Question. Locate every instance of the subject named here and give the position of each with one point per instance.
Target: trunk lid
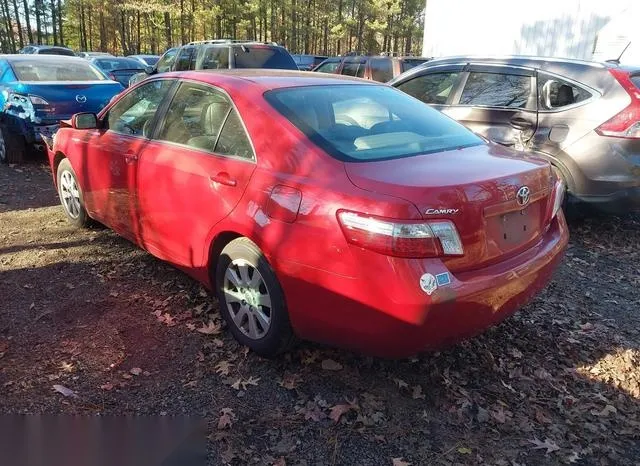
(476, 188)
(68, 97)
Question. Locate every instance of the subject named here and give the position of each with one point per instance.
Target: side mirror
(149, 69)
(84, 121)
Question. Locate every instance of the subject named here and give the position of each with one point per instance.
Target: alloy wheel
(247, 299)
(70, 194)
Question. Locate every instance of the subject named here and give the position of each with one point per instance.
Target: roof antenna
(617, 60)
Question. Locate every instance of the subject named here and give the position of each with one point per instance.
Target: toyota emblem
(522, 196)
(81, 99)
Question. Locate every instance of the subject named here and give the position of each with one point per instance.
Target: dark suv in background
(377, 68)
(221, 54)
(583, 117)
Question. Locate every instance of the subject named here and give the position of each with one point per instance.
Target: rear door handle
(223, 178)
(130, 157)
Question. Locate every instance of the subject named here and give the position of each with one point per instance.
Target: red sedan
(318, 206)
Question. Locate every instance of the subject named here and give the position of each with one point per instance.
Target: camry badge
(441, 211)
(81, 98)
(523, 195)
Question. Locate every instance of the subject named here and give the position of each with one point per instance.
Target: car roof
(270, 79)
(16, 58)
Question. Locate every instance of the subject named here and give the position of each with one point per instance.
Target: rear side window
(328, 66)
(434, 88)
(409, 63)
(362, 123)
(215, 58)
(381, 69)
(496, 90)
(554, 92)
(263, 56)
(353, 68)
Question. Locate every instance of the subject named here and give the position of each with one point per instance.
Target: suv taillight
(625, 124)
(401, 238)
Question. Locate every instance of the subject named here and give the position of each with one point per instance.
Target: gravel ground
(558, 383)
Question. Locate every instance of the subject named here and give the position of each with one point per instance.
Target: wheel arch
(215, 249)
(57, 158)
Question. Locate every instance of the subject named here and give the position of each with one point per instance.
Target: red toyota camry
(317, 206)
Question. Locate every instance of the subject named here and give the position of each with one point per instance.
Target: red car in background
(319, 206)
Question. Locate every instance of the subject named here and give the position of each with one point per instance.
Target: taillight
(625, 124)
(401, 238)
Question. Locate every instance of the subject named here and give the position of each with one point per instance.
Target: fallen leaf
(290, 381)
(107, 386)
(65, 391)
(399, 462)
(67, 367)
(515, 352)
(338, 410)
(244, 383)
(191, 326)
(210, 328)
(136, 371)
(280, 462)
(401, 383)
(226, 418)
(223, 367)
(416, 392)
(548, 445)
(127, 376)
(541, 417)
(609, 409)
(331, 365)
(464, 451)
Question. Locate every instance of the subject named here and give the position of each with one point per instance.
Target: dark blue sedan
(118, 68)
(37, 91)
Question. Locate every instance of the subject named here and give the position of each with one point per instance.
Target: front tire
(71, 196)
(12, 147)
(251, 299)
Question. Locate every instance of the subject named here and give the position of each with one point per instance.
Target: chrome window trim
(595, 94)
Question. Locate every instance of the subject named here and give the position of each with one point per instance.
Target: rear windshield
(55, 70)
(359, 123)
(56, 51)
(151, 60)
(263, 57)
(409, 63)
(112, 64)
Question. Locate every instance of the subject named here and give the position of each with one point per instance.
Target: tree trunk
(138, 32)
(60, 34)
(54, 28)
(182, 39)
(90, 20)
(17, 13)
(7, 16)
(167, 29)
(307, 28)
(27, 21)
(38, 25)
(123, 32)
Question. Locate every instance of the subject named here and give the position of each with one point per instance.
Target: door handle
(222, 178)
(521, 124)
(130, 157)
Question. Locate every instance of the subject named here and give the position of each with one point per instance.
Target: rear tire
(71, 196)
(251, 299)
(12, 147)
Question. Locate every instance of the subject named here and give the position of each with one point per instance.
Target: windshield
(112, 64)
(55, 70)
(263, 57)
(358, 123)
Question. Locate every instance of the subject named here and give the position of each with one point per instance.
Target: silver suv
(583, 117)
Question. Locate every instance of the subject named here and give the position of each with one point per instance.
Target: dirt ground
(87, 311)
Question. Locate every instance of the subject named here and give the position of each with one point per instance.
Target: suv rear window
(263, 56)
(409, 63)
(362, 123)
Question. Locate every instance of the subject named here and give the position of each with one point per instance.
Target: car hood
(475, 188)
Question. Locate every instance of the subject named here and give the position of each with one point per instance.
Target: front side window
(328, 66)
(166, 61)
(50, 69)
(555, 93)
(434, 88)
(186, 59)
(496, 90)
(361, 123)
(203, 118)
(133, 114)
(381, 69)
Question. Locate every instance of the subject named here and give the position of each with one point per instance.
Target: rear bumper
(620, 202)
(385, 313)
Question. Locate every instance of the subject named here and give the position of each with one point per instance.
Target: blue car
(118, 68)
(37, 91)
